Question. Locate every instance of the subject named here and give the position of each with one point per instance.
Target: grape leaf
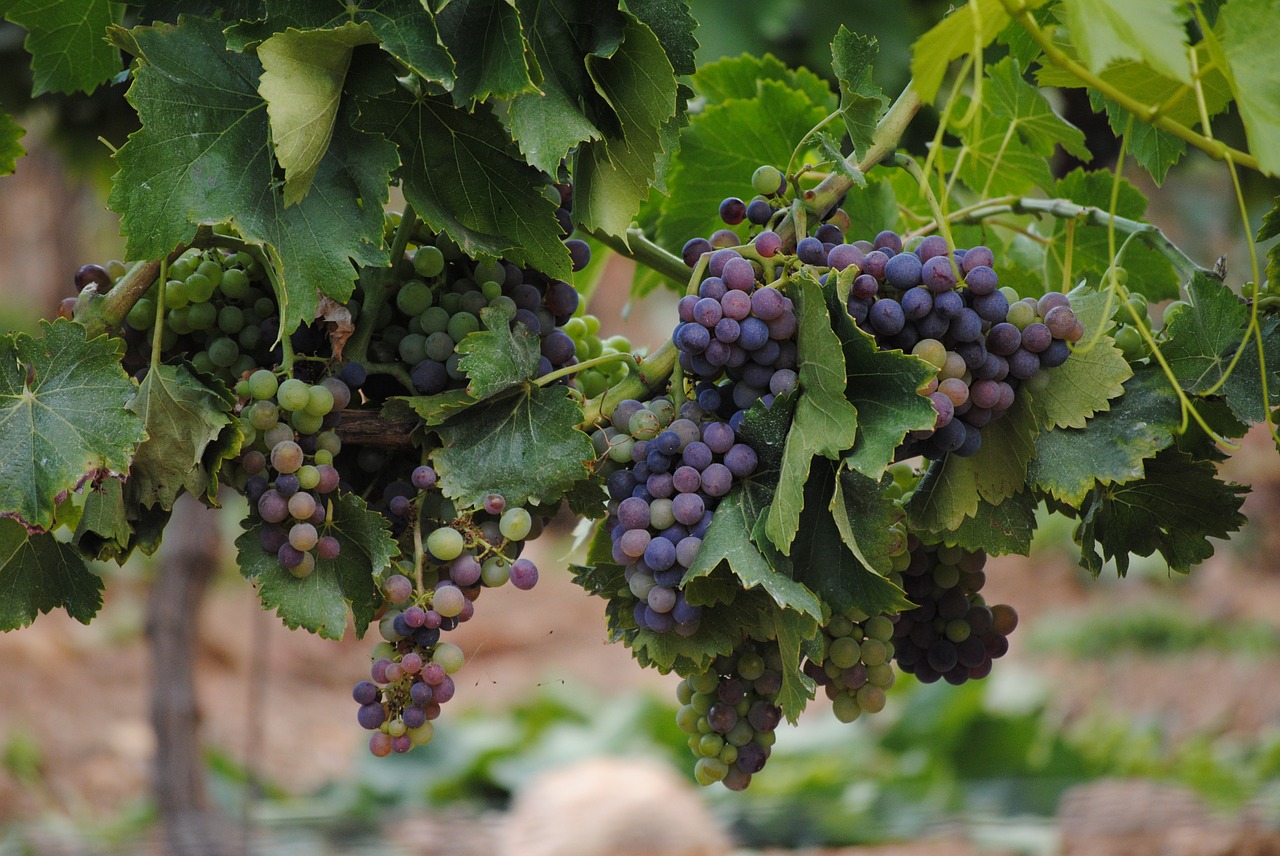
(853, 58)
(1089, 379)
(486, 39)
(1203, 339)
(1104, 31)
(720, 631)
(38, 573)
(945, 496)
(882, 386)
(672, 23)
(183, 417)
(952, 38)
(1270, 228)
(10, 149)
(612, 175)
(825, 422)
(797, 636)
(63, 417)
(103, 531)
(1249, 29)
(1175, 508)
(529, 446)
(443, 150)
(765, 429)
(872, 209)
(864, 514)
(1023, 110)
(302, 78)
(500, 356)
(320, 601)
(203, 156)
(742, 78)
(432, 409)
(998, 529)
(823, 562)
(1150, 273)
(548, 123)
(1112, 445)
(1154, 148)
(65, 42)
(721, 148)
(724, 543)
(404, 29)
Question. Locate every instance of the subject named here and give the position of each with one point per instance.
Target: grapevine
(879, 370)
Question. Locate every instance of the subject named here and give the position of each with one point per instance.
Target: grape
(328, 547)
(515, 524)
(733, 210)
(301, 506)
(293, 394)
(903, 271)
(694, 249)
(768, 181)
(286, 457)
(445, 543)
(767, 243)
(523, 574)
(263, 385)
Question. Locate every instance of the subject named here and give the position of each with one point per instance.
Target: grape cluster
(287, 458)
(730, 715)
(410, 677)
(951, 634)
(855, 667)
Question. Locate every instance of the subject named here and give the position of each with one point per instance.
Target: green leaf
(952, 38)
(797, 637)
(529, 447)
(672, 23)
(1270, 228)
(302, 78)
(488, 43)
(612, 175)
(103, 531)
(65, 40)
(1089, 379)
(998, 529)
(720, 150)
(744, 77)
(203, 156)
(183, 417)
(63, 417)
(825, 422)
(720, 631)
(1150, 273)
(1104, 31)
(1203, 340)
(432, 409)
(443, 150)
(319, 602)
(883, 388)
(765, 430)
(872, 209)
(39, 573)
(1249, 32)
(1155, 149)
(10, 150)
(864, 515)
(823, 562)
(1175, 508)
(499, 357)
(724, 543)
(1023, 110)
(404, 29)
(1112, 445)
(862, 102)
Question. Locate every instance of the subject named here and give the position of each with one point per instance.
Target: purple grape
(977, 256)
(715, 265)
(328, 547)
(759, 211)
(886, 317)
(707, 311)
(736, 305)
(686, 479)
(366, 692)
(694, 249)
(875, 263)
(688, 509)
(633, 513)
(424, 477)
(739, 275)
(767, 243)
(716, 481)
(903, 271)
(1055, 355)
(811, 252)
(1036, 337)
(865, 286)
(917, 302)
(733, 211)
(981, 279)
(429, 377)
(660, 554)
(1003, 339)
(934, 246)
(371, 716)
(741, 460)
(524, 574)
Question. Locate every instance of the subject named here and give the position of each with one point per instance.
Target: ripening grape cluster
(730, 714)
(855, 667)
(287, 455)
(410, 677)
(951, 634)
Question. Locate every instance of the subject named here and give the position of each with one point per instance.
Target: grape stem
(603, 359)
(651, 377)
(396, 370)
(639, 248)
(1020, 11)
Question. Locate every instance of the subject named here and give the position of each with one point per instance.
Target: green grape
(473, 302)
(199, 288)
(449, 656)
(319, 401)
(182, 268)
(593, 383)
(306, 423)
(1021, 314)
(708, 771)
(766, 180)
(414, 325)
(576, 329)
(234, 284)
(116, 268)
(582, 350)
(323, 457)
(202, 316)
(293, 394)
(451, 302)
(308, 478)
(491, 290)
(414, 297)
(142, 315)
(506, 304)
(644, 425)
(179, 320)
(445, 544)
(224, 352)
(453, 366)
(434, 320)
(1131, 343)
(439, 346)
(231, 320)
(462, 325)
(428, 261)
(242, 389)
(277, 434)
(286, 457)
(618, 344)
(413, 349)
(263, 384)
(175, 294)
(329, 441)
(931, 351)
(201, 363)
(591, 322)
(495, 571)
(515, 524)
(490, 270)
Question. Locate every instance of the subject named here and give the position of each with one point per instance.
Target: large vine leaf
(203, 156)
(103, 531)
(65, 41)
(1249, 29)
(528, 447)
(721, 148)
(487, 42)
(1154, 148)
(797, 635)
(612, 175)
(10, 149)
(825, 422)
(998, 529)
(63, 417)
(864, 515)
(953, 37)
(1175, 508)
(1202, 342)
(1104, 31)
(498, 357)
(183, 417)
(1112, 445)
(320, 601)
(302, 78)
(463, 176)
(673, 24)
(1087, 382)
(853, 57)
(39, 573)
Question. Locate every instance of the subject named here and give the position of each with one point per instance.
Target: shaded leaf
(862, 102)
(487, 42)
(499, 357)
(64, 39)
(998, 529)
(952, 38)
(10, 149)
(864, 515)
(39, 573)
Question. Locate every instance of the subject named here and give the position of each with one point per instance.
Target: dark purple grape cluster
(951, 634)
(661, 501)
(855, 668)
(730, 714)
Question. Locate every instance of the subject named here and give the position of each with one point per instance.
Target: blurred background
(1131, 716)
